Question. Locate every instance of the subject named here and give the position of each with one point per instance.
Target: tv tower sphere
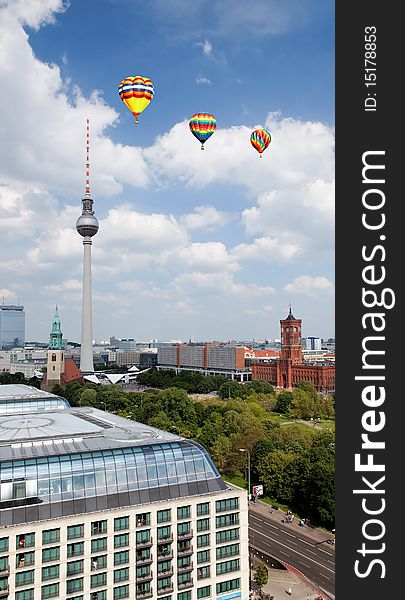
(87, 224)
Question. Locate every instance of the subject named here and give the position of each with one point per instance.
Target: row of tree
(294, 462)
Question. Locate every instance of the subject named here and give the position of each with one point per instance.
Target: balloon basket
(136, 120)
(261, 155)
(202, 146)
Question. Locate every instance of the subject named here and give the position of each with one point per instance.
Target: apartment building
(94, 506)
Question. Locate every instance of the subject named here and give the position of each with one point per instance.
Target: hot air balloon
(260, 139)
(202, 126)
(136, 93)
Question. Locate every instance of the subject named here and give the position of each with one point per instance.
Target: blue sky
(210, 245)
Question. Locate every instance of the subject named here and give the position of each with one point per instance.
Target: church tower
(56, 358)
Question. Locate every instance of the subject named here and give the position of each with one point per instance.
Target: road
(301, 548)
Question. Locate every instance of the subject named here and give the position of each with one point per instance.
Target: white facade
(118, 554)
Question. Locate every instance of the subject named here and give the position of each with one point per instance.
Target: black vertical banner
(370, 240)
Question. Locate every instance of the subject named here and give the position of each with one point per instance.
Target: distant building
(209, 359)
(311, 343)
(60, 370)
(290, 368)
(12, 326)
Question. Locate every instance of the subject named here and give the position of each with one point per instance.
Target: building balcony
(144, 594)
(185, 584)
(165, 556)
(144, 543)
(165, 590)
(185, 569)
(142, 523)
(4, 591)
(165, 540)
(144, 560)
(185, 551)
(4, 572)
(185, 536)
(166, 573)
(145, 577)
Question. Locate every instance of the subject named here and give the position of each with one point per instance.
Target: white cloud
(266, 249)
(6, 293)
(221, 284)
(32, 12)
(208, 257)
(206, 217)
(201, 80)
(309, 286)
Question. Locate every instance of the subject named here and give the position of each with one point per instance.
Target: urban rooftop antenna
(87, 226)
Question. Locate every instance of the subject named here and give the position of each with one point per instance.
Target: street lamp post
(248, 453)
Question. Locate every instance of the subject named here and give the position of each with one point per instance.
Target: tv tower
(87, 226)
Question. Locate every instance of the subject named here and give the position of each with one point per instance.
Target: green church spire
(55, 338)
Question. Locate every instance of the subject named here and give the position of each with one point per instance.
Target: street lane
(293, 546)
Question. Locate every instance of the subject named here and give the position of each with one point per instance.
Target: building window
(203, 509)
(183, 512)
(50, 591)
(203, 540)
(75, 531)
(25, 595)
(121, 558)
(99, 562)
(98, 580)
(203, 572)
(24, 578)
(120, 541)
(227, 520)
(77, 549)
(204, 592)
(184, 528)
(53, 359)
(184, 579)
(228, 566)
(25, 540)
(184, 596)
(143, 537)
(203, 524)
(121, 523)
(50, 572)
(183, 562)
(121, 575)
(97, 545)
(227, 536)
(101, 595)
(24, 559)
(228, 586)
(48, 554)
(225, 551)
(50, 536)
(164, 566)
(164, 533)
(227, 505)
(165, 583)
(4, 544)
(203, 556)
(121, 592)
(74, 585)
(3, 564)
(142, 572)
(98, 527)
(143, 520)
(74, 568)
(164, 550)
(164, 516)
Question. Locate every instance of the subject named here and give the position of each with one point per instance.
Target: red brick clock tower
(291, 351)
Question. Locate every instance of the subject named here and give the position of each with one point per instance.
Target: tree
(284, 400)
(261, 575)
(58, 390)
(232, 389)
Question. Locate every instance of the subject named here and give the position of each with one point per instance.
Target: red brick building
(289, 368)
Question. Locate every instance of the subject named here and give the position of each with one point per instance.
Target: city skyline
(209, 245)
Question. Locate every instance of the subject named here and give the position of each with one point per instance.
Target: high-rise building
(87, 227)
(96, 507)
(12, 326)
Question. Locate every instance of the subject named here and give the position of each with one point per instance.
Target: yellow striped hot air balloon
(136, 93)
